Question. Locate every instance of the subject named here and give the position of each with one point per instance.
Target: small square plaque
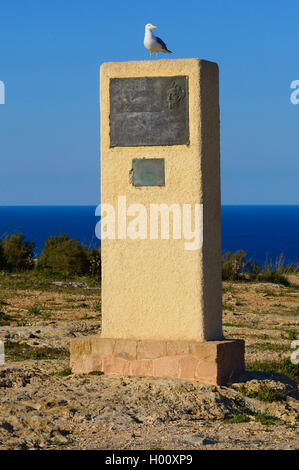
(148, 172)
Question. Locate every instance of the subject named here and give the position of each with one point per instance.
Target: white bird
(152, 43)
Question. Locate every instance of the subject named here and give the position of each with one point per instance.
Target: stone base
(210, 362)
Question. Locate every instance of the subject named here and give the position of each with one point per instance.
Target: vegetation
(63, 373)
(269, 347)
(264, 393)
(235, 267)
(95, 265)
(240, 416)
(266, 419)
(35, 310)
(4, 319)
(2, 257)
(23, 352)
(64, 254)
(61, 255)
(66, 257)
(237, 418)
(16, 254)
(292, 334)
(283, 366)
(244, 414)
(274, 277)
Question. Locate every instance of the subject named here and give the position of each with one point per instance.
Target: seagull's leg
(157, 55)
(151, 55)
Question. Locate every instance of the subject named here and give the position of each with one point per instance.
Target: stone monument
(160, 174)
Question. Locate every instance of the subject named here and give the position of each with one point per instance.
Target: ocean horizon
(263, 231)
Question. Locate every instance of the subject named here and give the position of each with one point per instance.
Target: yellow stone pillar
(160, 175)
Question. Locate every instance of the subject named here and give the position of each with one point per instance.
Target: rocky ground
(44, 406)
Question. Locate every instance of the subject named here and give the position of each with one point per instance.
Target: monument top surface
(158, 63)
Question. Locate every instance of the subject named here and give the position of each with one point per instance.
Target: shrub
(63, 372)
(2, 257)
(35, 310)
(284, 366)
(264, 393)
(24, 352)
(233, 265)
(292, 334)
(235, 268)
(266, 419)
(64, 254)
(274, 272)
(18, 254)
(94, 258)
(253, 270)
(274, 277)
(237, 418)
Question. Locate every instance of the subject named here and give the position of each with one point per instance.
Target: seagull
(152, 43)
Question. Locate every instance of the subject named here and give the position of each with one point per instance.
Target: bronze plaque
(148, 172)
(149, 111)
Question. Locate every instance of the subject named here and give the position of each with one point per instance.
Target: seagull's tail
(167, 51)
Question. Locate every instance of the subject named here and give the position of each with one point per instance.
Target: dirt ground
(44, 406)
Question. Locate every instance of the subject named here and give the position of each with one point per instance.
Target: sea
(264, 232)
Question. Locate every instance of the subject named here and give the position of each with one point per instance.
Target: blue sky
(50, 54)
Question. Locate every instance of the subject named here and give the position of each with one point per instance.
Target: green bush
(274, 277)
(274, 271)
(283, 366)
(2, 257)
(266, 419)
(65, 255)
(253, 270)
(236, 268)
(94, 259)
(233, 265)
(18, 254)
(264, 393)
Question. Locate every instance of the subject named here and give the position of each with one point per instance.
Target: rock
(267, 285)
(7, 426)
(14, 377)
(59, 437)
(33, 406)
(198, 439)
(70, 284)
(42, 445)
(62, 402)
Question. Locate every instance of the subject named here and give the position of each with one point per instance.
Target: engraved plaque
(149, 111)
(148, 172)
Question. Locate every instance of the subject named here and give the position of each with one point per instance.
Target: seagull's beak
(154, 27)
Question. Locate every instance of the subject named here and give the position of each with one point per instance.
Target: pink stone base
(209, 362)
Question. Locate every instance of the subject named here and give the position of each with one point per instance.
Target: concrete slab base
(209, 362)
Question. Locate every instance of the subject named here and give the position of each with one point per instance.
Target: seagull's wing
(162, 43)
